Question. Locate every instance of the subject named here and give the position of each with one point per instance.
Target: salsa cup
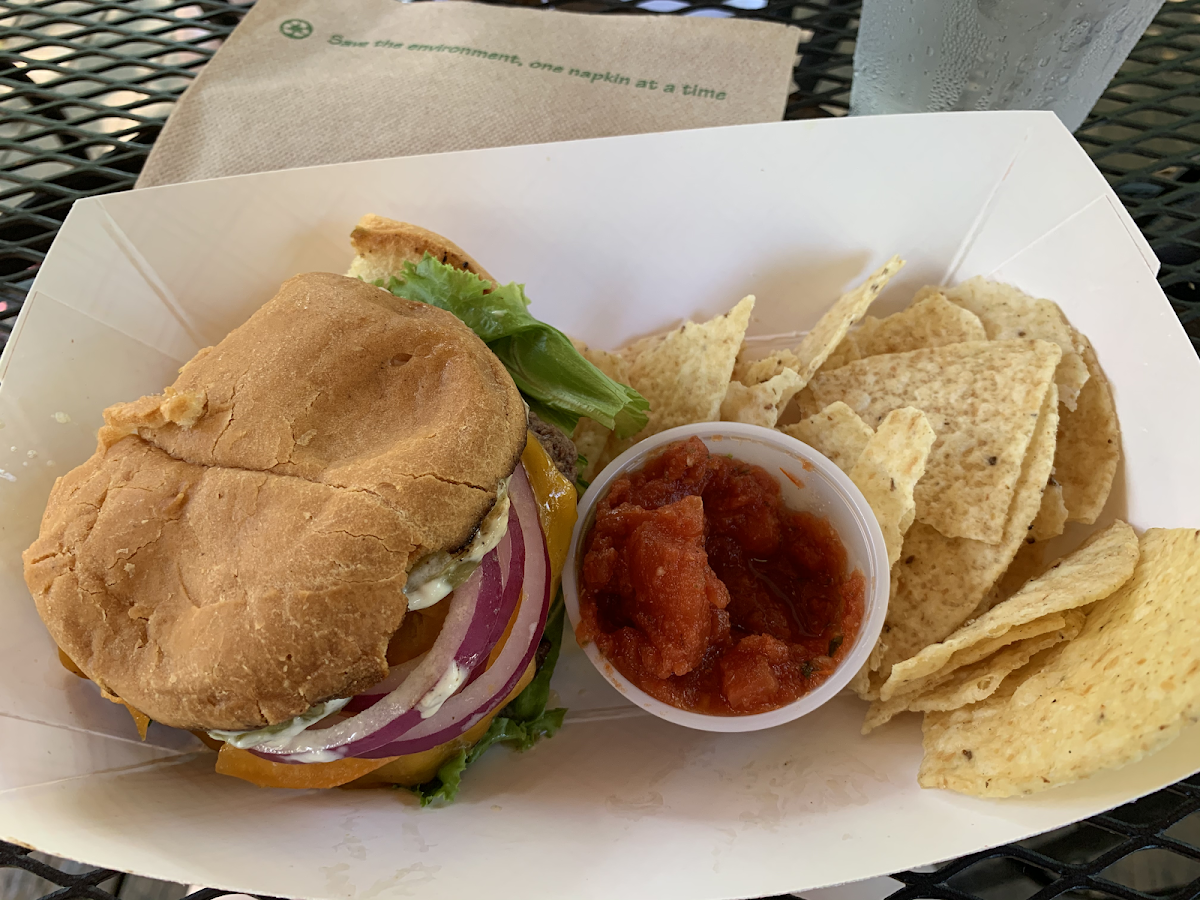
(809, 482)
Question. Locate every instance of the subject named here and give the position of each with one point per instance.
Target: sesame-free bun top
(235, 550)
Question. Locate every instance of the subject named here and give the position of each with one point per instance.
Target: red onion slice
(396, 677)
(534, 569)
(513, 565)
(480, 697)
(467, 636)
(510, 560)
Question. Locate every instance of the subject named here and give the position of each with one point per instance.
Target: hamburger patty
(558, 447)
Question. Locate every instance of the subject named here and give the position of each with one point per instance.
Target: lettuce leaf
(520, 725)
(559, 385)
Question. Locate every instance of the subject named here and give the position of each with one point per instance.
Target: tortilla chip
(861, 683)
(1089, 574)
(845, 352)
(805, 404)
(1052, 516)
(931, 321)
(685, 373)
(590, 436)
(887, 470)
(1007, 313)
(836, 433)
(982, 650)
(940, 580)
(1089, 445)
(613, 448)
(982, 399)
(879, 713)
(1029, 562)
(760, 404)
(975, 682)
(1126, 686)
(611, 364)
(825, 336)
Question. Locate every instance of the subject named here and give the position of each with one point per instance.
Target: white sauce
(317, 756)
(280, 731)
(435, 576)
(446, 687)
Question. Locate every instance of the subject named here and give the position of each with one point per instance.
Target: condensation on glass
(933, 55)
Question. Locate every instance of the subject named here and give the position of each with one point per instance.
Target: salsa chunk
(703, 589)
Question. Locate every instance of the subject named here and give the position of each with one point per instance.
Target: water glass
(930, 55)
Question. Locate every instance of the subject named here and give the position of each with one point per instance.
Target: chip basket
(86, 85)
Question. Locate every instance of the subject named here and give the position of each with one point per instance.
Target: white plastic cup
(818, 487)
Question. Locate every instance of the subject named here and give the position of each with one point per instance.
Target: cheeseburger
(332, 547)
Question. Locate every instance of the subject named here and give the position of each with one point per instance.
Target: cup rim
(875, 564)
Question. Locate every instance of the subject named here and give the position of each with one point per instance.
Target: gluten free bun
(235, 550)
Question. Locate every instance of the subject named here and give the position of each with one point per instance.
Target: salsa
(708, 593)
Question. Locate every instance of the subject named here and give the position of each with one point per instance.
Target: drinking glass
(929, 55)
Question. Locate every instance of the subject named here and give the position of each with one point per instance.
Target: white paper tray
(614, 238)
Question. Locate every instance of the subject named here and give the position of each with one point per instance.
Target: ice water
(929, 55)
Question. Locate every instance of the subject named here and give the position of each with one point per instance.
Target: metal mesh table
(85, 86)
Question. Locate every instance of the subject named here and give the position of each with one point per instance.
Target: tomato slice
(245, 765)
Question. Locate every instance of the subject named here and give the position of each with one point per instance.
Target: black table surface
(86, 85)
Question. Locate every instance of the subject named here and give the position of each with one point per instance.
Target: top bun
(235, 550)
